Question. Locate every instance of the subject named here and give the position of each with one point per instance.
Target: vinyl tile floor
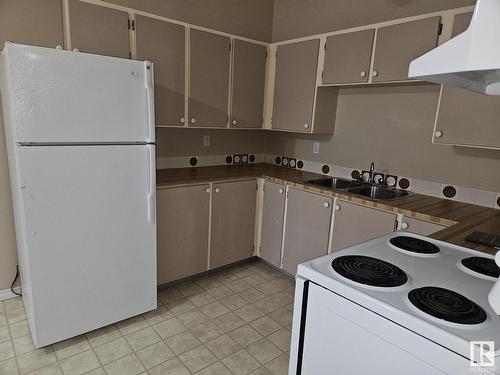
(236, 321)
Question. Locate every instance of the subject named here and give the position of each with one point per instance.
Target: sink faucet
(372, 171)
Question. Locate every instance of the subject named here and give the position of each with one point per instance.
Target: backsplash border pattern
(464, 194)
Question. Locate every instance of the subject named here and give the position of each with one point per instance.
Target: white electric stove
(399, 304)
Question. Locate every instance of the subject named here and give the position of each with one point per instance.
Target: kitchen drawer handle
(281, 191)
(337, 207)
(375, 73)
(326, 204)
(217, 190)
(182, 120)
(404, 225)
(235, 122)
(306, 126)
(438, 134)
(207, 190)
(193, 121)
(362, 74)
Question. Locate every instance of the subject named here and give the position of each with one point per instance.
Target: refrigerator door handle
(152, 185)
(149, 76)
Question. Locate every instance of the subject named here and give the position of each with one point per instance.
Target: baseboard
(7, 293)
(205, 273)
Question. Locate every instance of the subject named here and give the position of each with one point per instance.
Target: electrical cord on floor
(12, 285)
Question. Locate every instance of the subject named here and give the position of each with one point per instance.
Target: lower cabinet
(307, 228)
(273, 215)
(233, 222)
(354, 224)
(421, 227)
(183, 222)
(296, 226)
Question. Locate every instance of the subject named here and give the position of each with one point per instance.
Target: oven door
(341, 337)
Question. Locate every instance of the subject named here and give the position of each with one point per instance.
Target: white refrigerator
(80, 141)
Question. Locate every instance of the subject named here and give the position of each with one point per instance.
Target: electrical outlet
(315, 148)
(206, 140)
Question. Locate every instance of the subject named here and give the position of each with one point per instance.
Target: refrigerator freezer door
(90, 228)
(58, 96)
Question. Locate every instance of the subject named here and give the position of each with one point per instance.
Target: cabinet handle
(362, 74)
(404, 225)
(207, 190)
(337, 207)
(306, 126)
(182, 120)
(193, 121)
(326, 204)
(438, 134)
(375, 73)
(281, 191)
(235, 122)
(217, 190)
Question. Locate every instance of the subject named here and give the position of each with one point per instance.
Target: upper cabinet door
(294, 86)
(99, 30)
(249, 76)
(209, 79)
(164, 44)
(398, 45)
(348, 57)
(465, 117)
(460, 23)
(21, 22)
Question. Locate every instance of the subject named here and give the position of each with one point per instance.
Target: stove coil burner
(369, 271)
(414, 245)
(484, 266)
(447, 305)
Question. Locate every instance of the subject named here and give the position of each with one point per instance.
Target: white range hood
(471, 60)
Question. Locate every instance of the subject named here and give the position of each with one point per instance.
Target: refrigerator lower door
(90, 236)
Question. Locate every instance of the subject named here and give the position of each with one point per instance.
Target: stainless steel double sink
(365, 189)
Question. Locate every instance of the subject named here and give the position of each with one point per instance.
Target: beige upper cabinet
(465, 117)
(183, 222)
(424, 228)
(32, 22)
(398, 45)
(354, 224)
(233, 222)
(164, 44)
(348, 57)
(307, 228)
(295, 86)
(209, 79)
(273, 213)
(99, 30)
(249, 76)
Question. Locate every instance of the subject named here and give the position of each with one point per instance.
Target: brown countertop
(461, 218)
